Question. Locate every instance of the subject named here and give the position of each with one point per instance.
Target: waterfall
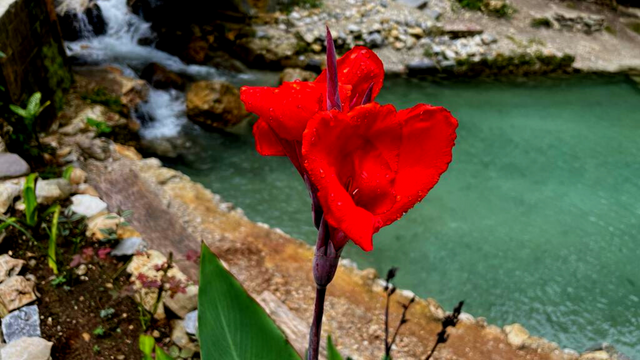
(120, 46)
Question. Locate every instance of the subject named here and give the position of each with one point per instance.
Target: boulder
(9, 190)
(279, 46)
(16, 292)
(162, 78)
(52, 190)
(516, 335)
(12, 166)
(80, 19)
(214, 104)
(87, 205)
(9, 266)
(291, 74)
(27, 348)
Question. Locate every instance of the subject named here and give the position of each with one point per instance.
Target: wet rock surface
(214, 104)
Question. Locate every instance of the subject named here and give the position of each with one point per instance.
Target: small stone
(49, 321)
(418, 4)
(315, 47)
(595, 355)
(488, 39)
(433, 13)
(87, 205)
(21, 323)
(12, 166)
(87, 190)
(156, 334)
(191, 323)
(101, 223)
(81, 270)
(179, 336)
(27, 348)
(86, 337)
(399, 45)
(129, 247)
(9, 266)
(292, 74)
(52, 190)
(78, 176)
(374, 40)
(182, 304)
(416, 31)
(516, 335)
(353, 28)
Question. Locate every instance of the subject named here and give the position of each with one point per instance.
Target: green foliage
(541, 22)
(610, 30)
(58, 74)
(332, 352)
(99, 331)
(146, 343)
(501, 10)
(24, 132)
(102, 97)
(30, 202)
(14, 222)
(100, 126)
(96, 349)
(32, 110)
(232, 324)
(66, 174)
(634, 26)
(58, 280)
(53, 239)
(2, 55)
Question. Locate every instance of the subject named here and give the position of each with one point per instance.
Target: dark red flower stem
(325, 264)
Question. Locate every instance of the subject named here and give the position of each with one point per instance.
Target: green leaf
(147, 343)
(13, 222)
(53, 238)
(18, 110)
(161, 354)
(30, 202)
(2, 55)
(232, 324)
(332, 352)
(33, 105)
(66, 174)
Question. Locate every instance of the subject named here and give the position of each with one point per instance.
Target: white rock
(28, 348)
(52, 190)
(191, 323)
(87, 205)
(130, 246)
(516, 334)
(9, 190)
(12, 166)
(182, 304)
(180, 337)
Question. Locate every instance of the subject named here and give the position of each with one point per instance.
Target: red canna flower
(373, 164)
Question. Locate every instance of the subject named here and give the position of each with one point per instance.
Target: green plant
(30, 201)
(66, 174)
(58, 280)
(541, 22)
(96, 349)
(14, 222)
(53, 238)
(634, 26)
(101, 96)
(471, 4)
(100, 126)
(29, 115)
(147, 344)
(332, 352)
(58, 73)
(99, 331)
(232, 324)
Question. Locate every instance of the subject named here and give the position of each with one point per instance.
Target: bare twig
(450, 320)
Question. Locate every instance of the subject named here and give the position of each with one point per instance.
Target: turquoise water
(537, 220)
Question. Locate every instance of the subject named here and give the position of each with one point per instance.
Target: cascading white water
(120, 46)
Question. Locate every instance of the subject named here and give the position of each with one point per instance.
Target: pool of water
(537, 220)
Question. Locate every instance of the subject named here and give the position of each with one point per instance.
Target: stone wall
(34, 54)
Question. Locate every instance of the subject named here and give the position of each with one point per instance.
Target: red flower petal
(267, 141)
(428, 137)
(286, 108)
(373, 164)
(359, 67)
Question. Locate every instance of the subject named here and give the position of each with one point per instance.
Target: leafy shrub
(541, 22)
(101, 127)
